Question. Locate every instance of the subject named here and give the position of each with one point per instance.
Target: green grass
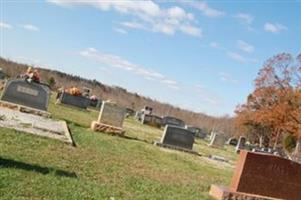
(104, 166)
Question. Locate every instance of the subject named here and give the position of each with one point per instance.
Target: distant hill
(123, 97)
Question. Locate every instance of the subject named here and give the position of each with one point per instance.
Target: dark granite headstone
(151, 120)
(77, 101)
(168, 120)
(177, 137)
(33, 95)
(232, 142)
(130, 112)
(96, 103)
(199, 133)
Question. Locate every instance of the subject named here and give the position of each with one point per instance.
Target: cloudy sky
(202, 56)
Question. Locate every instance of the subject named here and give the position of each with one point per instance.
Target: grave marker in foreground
(110, 119)
(262, 177)
(35, 124)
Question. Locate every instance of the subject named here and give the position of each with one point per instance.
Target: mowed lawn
(103, 166)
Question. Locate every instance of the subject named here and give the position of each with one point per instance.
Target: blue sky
(202, 56)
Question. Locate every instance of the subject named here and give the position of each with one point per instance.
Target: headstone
(30, 94)
(110, 119)
(198, 132)
(218, 140)
(2, 74)
(262, 175)
(77, 101)
(168, 120)
(241, 144)
(177, 137)
(151, 120)
(96, 103)
(147, 110)
(232, 142)
(130, 112)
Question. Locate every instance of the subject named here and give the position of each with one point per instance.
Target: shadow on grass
(8, 163)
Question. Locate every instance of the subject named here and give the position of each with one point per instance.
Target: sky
(199, 55)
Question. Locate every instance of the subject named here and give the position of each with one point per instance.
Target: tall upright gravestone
(29, 94)
(241, 144)
(218, 140)
(262, 177)
(110, 119)
(177, 138)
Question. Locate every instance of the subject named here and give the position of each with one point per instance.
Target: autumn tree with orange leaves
(274, 107)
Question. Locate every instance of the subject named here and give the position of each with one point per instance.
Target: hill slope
(103, 166)
(124, 98)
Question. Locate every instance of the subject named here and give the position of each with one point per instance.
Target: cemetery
(28, 107)
(150, 100)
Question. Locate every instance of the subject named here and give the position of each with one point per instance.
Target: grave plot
(262, 177)
(110, 119)
(177, 138)
(34, 124)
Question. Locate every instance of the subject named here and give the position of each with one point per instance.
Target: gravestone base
(223, 193)
(35, 124)
(100, 127)
(24, 109)
(159, 144)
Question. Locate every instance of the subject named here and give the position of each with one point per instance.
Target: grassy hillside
(104, 166)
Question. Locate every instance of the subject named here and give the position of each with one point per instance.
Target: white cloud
(117, 62)
(133, 25)
(206, 9)
(148, 15)
(244, 46)
(191, 30)
(274, 27)
(120, 30)
(5, 26)
(30, 27)
(225, 77)
(207, 96)
(240, 58)
(236, 56)
(244, 18)
(214, 45)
